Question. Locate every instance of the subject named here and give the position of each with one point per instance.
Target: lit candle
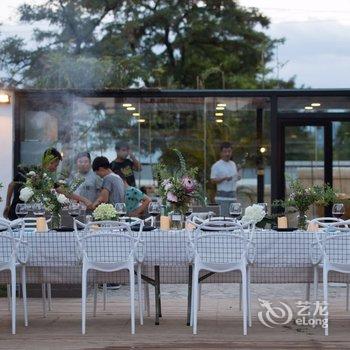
(41, 225)
(282, 222)
(164, 223)
(312, 227)
(190, 226)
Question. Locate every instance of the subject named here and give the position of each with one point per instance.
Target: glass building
(276, 134)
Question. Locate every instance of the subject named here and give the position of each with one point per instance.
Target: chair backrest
(336, 247)
(329, 222)
(221, 248)
(111, 227)
(220, 225)
(108, 248)
(5, 224)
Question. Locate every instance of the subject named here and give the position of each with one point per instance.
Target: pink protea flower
(188, 184)
(171, 197)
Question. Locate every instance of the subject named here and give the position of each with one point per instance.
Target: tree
(163, 43)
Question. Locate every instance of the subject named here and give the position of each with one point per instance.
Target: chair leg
(146, 297)
(325, 299)
(315, 283)
(347, 297)
(49, 298)
(95, 298)
(249, 298)
(83, 301)
(244, 299)
(139, 285)
(195, 299)
(13, 299)
(132, 299)
(43, 297)
(104, 291)
(9, 296)
(192, 298)
(24, 293)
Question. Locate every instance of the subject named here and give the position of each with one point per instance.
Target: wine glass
(120, 209)
(38, 209)
(21, 210)
(338, 210)
(189, 210)
(74, 209)
(235, 210)
(154, 208)
(82, 208)
(263, 206)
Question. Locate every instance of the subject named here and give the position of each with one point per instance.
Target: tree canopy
(152, 43)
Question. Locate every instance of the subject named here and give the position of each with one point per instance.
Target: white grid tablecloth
(281, 257)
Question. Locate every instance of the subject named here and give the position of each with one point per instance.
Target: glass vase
(302, 220)
(55, 222)
(176, 220)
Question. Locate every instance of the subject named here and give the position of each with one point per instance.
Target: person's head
(101, 166)
(225, 151)
(51, 159)
(122, 150)
(83, 160)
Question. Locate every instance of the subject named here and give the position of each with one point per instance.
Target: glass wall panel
(302, 104)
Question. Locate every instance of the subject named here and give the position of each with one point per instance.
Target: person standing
(91, 186)
(225, 175)
(112, 188)
(126, 163)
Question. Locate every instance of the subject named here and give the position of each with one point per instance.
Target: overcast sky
(317, 33)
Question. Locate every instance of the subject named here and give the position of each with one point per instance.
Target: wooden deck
(220, 323)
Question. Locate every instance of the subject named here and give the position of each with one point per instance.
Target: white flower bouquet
(105, 212)
(254, 214)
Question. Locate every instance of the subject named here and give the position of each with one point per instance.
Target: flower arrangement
(179, 188)
(42, 187)
(254, 214)
(105, 212)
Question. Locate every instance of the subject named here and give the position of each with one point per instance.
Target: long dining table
(280, 257)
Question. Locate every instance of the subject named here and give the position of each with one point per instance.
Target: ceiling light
(4, 98)
(219, 114)
(136, 114)
(308, 108)
(316, 104)
(218, 108)
(221, 104)
(141, 120)
(219, 120)
(131, 108)
(127, 105)
(262, 150)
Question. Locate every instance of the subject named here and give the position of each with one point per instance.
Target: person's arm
(9, 195)
(218, 180)
(102, 198)
(75, 197)
(142, 208)
(136, 164)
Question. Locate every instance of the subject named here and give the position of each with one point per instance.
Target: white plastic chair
(221, 252)
(10, 260)
(334, 255)
(329, 224)
(111, 249)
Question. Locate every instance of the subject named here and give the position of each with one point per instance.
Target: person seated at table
(112, 188)
(136, 201)
(91, 186)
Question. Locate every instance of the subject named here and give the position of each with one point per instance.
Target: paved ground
(220, 323)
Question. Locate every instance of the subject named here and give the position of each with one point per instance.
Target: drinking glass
(154, 208)
(82, 207)
(38, 209)
(235, 210)
(74, 209)
(338, 210)
(21, 210)
(120, 209)
(189, 210)
(264, 207)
